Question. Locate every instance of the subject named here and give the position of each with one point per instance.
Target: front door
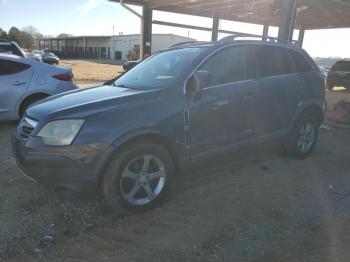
(214, 119)
(14, 80)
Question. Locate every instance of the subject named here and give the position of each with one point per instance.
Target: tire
(330, 87)
(128, 182)
(303, 137)
(28, 102)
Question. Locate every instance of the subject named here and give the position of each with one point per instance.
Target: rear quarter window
(11, 67)
(301, 64)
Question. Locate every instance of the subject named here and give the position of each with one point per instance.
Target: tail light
(65, 76)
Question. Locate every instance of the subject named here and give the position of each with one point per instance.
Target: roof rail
(187, 43)
(230, 38)
(227, 39)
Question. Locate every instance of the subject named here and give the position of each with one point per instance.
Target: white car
(24, 81)
(36, 55)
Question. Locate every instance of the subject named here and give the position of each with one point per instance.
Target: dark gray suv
(185, 104)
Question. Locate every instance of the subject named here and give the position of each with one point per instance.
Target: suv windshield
(9, 48)
(158, 70)
(342, 66)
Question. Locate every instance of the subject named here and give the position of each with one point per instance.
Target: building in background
(121, 47)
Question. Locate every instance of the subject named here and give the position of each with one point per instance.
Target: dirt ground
(90, 72)
(254, 205)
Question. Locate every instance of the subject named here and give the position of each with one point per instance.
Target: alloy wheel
(306, 138)
(142, 180)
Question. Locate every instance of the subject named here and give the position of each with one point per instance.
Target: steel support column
(146, 32)
(215, 29)
(85, 44)
(287, 19)
(301, 37)
(266, 31)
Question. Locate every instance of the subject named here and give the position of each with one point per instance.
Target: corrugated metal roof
(312, 14)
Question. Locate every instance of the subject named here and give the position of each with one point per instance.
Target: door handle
(19, 83)
(298, 87)
(219, 104)
(250, 97)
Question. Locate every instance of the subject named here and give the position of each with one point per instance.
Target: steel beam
(215, 29)
(159, 3)
(201, 28)
(287, 19)
(146, 32)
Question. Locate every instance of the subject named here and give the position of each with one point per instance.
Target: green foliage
(3, 34)
(26, 37)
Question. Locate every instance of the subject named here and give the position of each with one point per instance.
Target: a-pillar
(146, 32)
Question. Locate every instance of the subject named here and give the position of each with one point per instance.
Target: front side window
(227, 66)
(10, 67)
(159, 70)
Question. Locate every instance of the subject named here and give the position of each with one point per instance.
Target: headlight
(60, 132)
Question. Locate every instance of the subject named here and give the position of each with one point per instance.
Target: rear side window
(227, 66)
(272, 61)
(342, 66)
(10, 67)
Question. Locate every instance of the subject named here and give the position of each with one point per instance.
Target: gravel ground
(254, 205)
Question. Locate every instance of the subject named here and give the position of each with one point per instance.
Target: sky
(98, 17)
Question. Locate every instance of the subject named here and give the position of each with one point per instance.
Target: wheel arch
(313, 109)
(30, 97)
(152, 137)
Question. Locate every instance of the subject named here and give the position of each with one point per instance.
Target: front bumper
(74, 168)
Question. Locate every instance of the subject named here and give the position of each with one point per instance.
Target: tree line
(27, 37)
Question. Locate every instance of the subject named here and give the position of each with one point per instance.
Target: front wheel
(302, 140)
(138, 178)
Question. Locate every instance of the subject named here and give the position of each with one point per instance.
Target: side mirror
(196, 83)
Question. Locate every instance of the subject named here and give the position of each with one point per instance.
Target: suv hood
(82, 103)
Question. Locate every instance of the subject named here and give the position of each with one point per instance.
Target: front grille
(26, 127)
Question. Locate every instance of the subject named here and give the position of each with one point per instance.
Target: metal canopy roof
(311, 14)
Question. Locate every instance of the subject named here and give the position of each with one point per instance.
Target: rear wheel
(330, 87)
(138, 178)
(302, 140)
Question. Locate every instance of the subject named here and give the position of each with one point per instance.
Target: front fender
(138, 132)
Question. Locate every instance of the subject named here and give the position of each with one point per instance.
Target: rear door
(15, 78)
(280, 88)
